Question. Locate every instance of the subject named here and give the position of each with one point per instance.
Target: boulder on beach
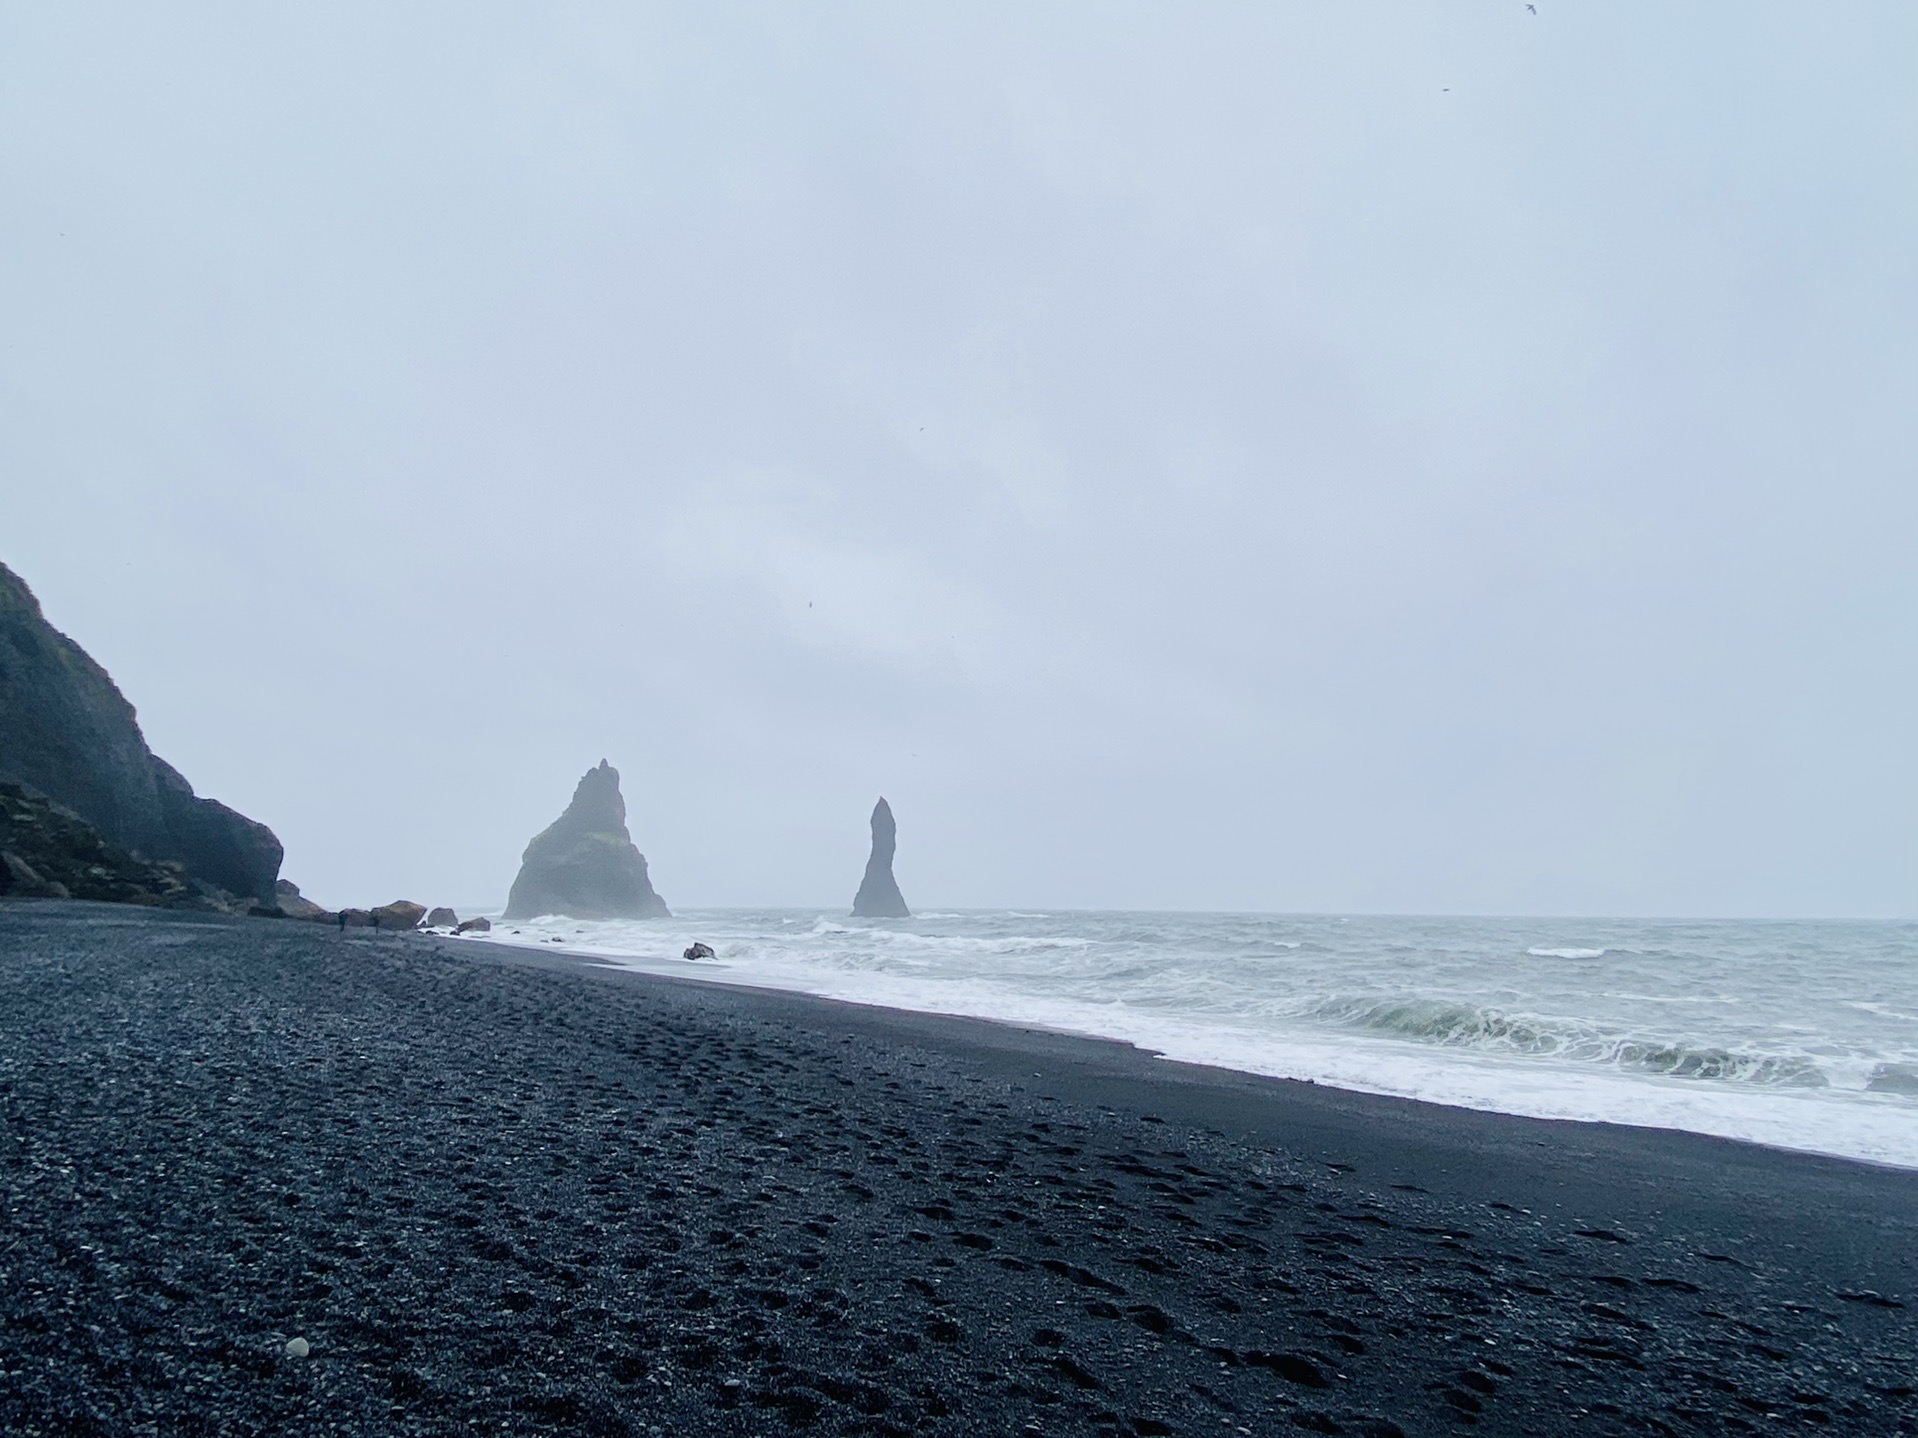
(585, 865)
(879, 896)
(68, 734)
(355, 918)
(21, 880)
(295, 905)
(400, 914)
(473, 926)
(442, 918)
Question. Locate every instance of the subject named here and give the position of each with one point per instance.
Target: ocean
(1800, 1035)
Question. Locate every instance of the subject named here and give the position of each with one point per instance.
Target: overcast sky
(1379, 457)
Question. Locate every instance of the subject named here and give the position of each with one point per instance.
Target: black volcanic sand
(503, 1193)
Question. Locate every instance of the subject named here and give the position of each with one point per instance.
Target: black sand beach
(499, 1191)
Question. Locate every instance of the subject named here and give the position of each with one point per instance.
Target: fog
(1389, 458)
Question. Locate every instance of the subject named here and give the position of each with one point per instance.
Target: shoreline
(505, 1190)
(666, 967)
(1320, 1122)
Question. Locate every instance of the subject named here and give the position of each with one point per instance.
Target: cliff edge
(67, 732)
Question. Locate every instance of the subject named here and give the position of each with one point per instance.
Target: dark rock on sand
(879, 896)
(68, 733)
(442, 918)
(585, 865)
(21, 879)
(473, 926)
(295, 905)
(400, 914)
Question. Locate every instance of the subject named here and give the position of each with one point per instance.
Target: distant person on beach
(376, 920)
(342, 918)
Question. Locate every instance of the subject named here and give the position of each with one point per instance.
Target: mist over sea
(1801, 1035)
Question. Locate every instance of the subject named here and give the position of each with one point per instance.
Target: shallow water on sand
(1798, 1034)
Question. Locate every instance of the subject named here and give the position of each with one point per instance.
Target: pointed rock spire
(879, 896)
(584, 864)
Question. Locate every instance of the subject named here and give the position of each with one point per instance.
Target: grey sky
(1379, 457)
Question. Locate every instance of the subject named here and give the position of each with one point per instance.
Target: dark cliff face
(584, 864)
(67, 732)
(879, 896)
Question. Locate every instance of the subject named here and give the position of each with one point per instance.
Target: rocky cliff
(584, 865)
(68, 733)
(49, 852)
(879, 896)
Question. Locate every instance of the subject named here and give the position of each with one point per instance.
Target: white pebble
(297, 1348)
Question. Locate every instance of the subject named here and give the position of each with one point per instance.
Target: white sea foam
(1796, 1035)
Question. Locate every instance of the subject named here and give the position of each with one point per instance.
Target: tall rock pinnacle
(879, 896)
(584, 864)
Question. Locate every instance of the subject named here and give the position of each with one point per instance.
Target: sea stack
(879, 896)
(584, 865)
(68, 734)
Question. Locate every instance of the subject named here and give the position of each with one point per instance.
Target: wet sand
(501, 1191)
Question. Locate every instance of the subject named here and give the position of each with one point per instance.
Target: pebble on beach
(297, 1348)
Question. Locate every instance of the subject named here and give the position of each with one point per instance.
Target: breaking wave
(1495, 1031)
(1797, 1035)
